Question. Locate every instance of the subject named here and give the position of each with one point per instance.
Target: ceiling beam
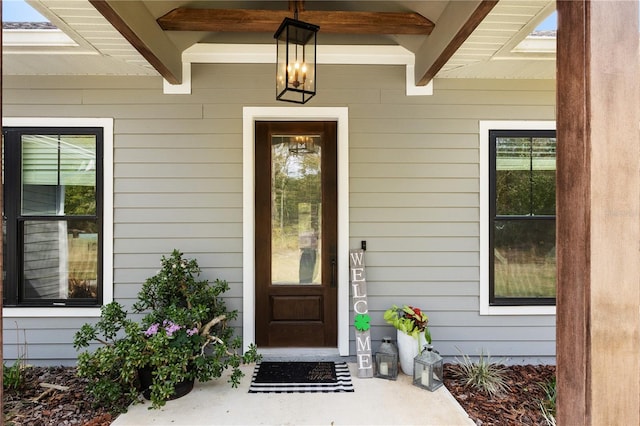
(336, 22)
(133, 20)
(455, 25)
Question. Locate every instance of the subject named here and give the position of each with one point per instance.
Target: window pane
(60, 259)
(543, 176)
(525, 258)
(58, 175)
(40, 160)
(296, 210)
(513, 192)
(79, 200)
(78, 160)
(513, 176)
(525, 176)
(44, 200)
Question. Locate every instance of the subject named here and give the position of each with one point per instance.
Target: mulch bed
(35, 405)
(519, 406)
(40, 404)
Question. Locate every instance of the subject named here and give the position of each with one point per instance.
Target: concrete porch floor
(374, 402)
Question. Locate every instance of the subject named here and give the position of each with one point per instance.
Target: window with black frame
(53, 216)
(522, 228)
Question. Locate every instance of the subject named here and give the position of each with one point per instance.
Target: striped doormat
(301, 377)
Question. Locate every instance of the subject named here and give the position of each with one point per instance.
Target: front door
(296, 233)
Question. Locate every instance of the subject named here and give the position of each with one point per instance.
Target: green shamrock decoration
(361, 322)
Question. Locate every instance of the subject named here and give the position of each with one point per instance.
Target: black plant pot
(146, 378)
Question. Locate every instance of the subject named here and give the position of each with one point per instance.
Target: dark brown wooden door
(296, 234)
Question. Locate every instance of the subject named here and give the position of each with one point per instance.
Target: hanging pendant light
(296, 60)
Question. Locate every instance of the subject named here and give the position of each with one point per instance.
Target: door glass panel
(296, 210)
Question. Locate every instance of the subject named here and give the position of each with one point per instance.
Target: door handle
(333, 273)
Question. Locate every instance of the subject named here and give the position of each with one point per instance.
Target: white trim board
(210, 53)
(250, 115)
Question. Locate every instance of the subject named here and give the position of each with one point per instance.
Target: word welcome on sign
(361, 313)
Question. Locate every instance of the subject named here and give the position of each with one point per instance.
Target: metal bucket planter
(408, 349)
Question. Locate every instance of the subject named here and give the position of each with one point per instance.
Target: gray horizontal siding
(414, 197)
(446, 111)
(417, 229)
(170, 141)
(178, 215)
(139, 275)
(151, 260)
(414, 189)
(451, 170)
(413, 214)
(119, 112)
(409, 184)
(419, 243)
(130, 246)
(184, 156)
(167, 200)
(176, 185)
(177, 170)
(366, 140)
(407, 259)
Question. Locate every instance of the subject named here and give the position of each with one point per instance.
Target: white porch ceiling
(497, 48)
(101, 50)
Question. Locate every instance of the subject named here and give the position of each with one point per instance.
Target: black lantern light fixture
(296, 60)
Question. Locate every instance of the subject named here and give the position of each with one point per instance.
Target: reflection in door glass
(296, 210)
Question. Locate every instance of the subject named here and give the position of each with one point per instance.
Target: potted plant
(412, 332)
(183, 336)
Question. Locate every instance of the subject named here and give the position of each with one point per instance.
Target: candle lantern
(428, 369)
(296, 61)
(386, 360)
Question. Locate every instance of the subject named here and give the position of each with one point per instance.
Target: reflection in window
(523, 217)
(296, 210)
(53, 212)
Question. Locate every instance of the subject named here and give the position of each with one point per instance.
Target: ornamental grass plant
(183, 336)
(483, 375)
(548, 404)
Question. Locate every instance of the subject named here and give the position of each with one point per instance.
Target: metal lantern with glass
(296, 60)
(386, 360)
(428, 369)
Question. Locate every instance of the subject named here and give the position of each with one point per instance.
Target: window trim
(485, 307)
(107, 241)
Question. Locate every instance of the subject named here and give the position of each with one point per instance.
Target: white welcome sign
(361, 313)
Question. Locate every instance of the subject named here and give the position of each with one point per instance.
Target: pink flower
(152, 330)
(171, 327)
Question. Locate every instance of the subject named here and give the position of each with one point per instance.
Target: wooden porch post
(1, 237)
(598, 203)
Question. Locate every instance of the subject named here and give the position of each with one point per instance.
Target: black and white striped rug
(301, 377)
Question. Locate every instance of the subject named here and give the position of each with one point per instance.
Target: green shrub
(183, 335)
(484, 375)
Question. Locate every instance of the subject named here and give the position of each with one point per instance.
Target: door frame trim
(249, 116)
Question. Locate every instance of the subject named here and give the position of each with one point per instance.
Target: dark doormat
(301, 377)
